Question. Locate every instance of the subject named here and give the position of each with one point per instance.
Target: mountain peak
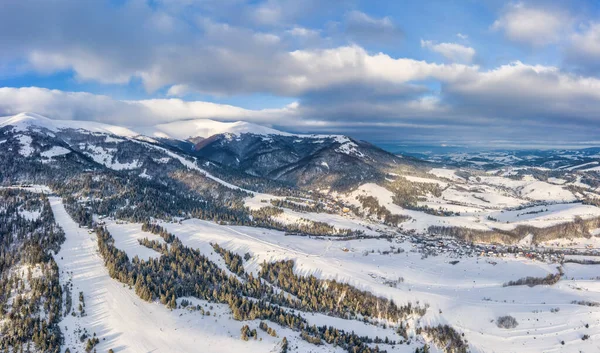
(186, 129)
(26, 120)
(23, 120)
(176, 130)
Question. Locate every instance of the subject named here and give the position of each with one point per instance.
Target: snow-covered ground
(125, 323)
(468, 295)
(127, 238)
(486, 201)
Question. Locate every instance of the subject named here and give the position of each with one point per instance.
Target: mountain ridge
(250, 149)
(184, 129)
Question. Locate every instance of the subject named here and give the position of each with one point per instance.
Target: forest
(30, 292)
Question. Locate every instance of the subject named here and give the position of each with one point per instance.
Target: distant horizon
(438, 148)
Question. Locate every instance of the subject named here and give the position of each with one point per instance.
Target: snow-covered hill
(204, 128)
(386, 228)
(24, 121)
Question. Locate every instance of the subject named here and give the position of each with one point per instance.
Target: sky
(447, 72)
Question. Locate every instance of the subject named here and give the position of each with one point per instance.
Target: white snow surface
(484, 209)
(30, 215)
(125, 323)
(26, 149)
(469, 295)
(445, 173)
(182, 130)
(105, 156)
(185, 129)
(126, 238)
(456, 293)
(54, 152)
(25, 121)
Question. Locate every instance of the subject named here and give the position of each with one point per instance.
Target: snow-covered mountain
(254, 150)
(237, 215)
(26, 121)
(204, 128)
(323, 160)
(36, 148)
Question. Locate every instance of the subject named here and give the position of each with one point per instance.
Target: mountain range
(317, 160)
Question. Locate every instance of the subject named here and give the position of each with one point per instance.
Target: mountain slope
(26, 120)
(35, 148)
(303, 160)
(239, 148)
(296, 159)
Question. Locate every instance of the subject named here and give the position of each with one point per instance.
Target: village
(454, 248)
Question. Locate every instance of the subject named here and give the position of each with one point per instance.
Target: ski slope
(125, 323)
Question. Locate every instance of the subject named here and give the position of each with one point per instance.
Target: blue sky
(469, 72)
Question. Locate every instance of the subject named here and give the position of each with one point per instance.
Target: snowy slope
(182, 130)
(125, 323)
(468, 295)
(24, 121)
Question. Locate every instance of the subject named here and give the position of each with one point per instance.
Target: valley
(203, 234)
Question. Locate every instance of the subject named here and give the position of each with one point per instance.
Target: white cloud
(589, 40)
(451, 51)
(85, 106)
(334, 83)
(360, 27)
(528, 100)
(318, 69)
(584, 49)
(178, 90)
(532, 92)
(462, 36)
(361, 18)
(302, 32)
(532, 26)
(267, 14)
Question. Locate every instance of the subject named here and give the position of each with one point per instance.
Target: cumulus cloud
(178, 90)
(451, 51)
(205, 56)
(318, 69)
(530, 25)
(519, 92)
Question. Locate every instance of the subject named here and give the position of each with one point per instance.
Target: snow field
(468, 295)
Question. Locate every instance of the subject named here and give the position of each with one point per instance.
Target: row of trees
(408, 193)
(317, 207)
(233, 261)
(335, 298)
(264, 217)
(182, 271)
(138, 199)
(372, 207)
(577, 228)
(446, 337)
